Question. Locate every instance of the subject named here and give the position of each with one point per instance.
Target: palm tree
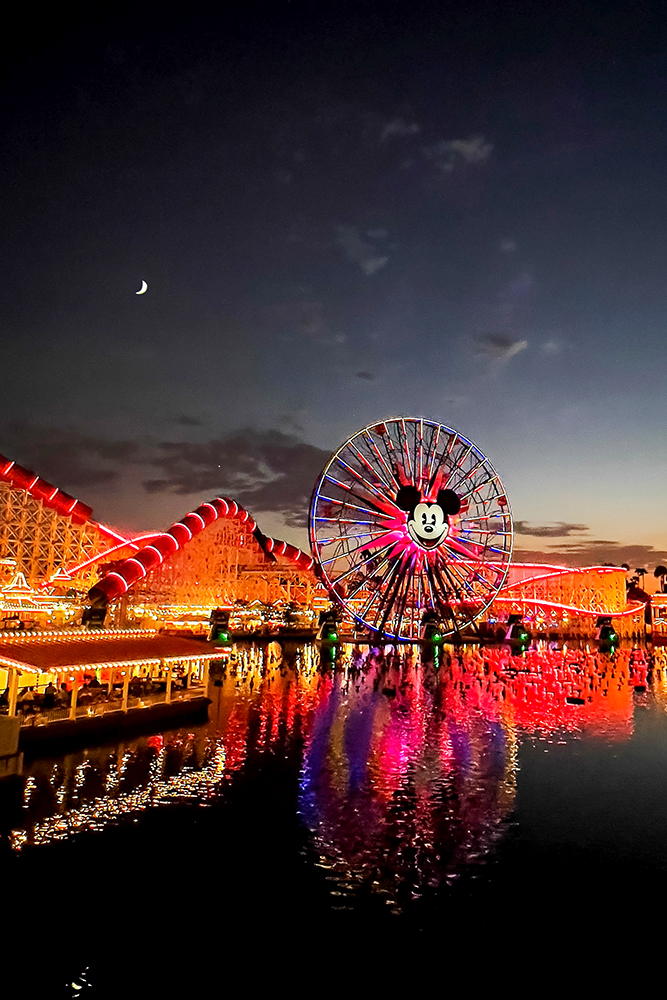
(642, 573)
(660, 572)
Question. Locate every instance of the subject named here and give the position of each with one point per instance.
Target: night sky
(344, 212)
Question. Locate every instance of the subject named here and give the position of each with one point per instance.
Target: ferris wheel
(410, 518)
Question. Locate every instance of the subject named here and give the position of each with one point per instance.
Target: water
(376, 799)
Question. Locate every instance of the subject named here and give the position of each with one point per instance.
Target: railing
(89, 710)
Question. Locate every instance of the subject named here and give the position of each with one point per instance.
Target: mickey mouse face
(427, 522)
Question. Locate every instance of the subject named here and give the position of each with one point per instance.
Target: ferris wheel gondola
(409, 517)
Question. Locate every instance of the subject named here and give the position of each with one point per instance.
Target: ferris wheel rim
(475, 602)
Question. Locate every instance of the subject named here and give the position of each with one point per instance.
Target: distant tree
(642, 573)
(625, 567)
(660, 572)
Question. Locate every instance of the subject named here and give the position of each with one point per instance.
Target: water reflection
(406, 770)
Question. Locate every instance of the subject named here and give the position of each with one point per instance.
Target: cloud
(507, 246)
(445, 155)
(290, 424)
(367, 376)
(303, 316)
(593, 553)
(498, 347)
(398, 128)
(474, 150)
(551, 347)
(358, 251)
(184, 421)
(67, 457)
(266, 471)
(561, 529)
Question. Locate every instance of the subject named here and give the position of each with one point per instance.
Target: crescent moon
(143, 288)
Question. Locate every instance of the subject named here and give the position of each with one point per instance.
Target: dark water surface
(379, 803)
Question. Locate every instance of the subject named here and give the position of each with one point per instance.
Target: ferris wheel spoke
(432, 452)
(393, 457)
(338, 538)
(367, 580)
(390, 601)
(418, 453)
(341, 520)
(455, 581)
(406, 450)
(403, 599)
(485, 517)
(467, 584)
(383, 595)
(456, 548)
(400, 600)
(381, 460)
(444, 460)
(471, 472)
(370, 468)
(476, 489)
(354, 506)
(438, 587)
(480, 531)
(348, 489)
(461, 457)
(362, 479)
(357, 566)
(364, 613)
(434, 598)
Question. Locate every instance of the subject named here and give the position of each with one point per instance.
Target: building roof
(48, 651)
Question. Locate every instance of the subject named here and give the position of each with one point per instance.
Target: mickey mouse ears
(408, 497)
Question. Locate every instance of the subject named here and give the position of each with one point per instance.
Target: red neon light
(211, 507)
(136, 561)
(118, 577)
(157, 552)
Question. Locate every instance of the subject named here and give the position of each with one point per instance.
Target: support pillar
(13, 690)
(72, 706)
(126, 689)
(167, 696)
(205, 670)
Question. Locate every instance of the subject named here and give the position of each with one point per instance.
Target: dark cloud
(399, 128)
(446, 155)
(265, 471)
(305, 317)
(66, 456)
(593, 553)
(498, 347)
(360, 252)
(184, 421)
(367, 376)
(561, 529)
